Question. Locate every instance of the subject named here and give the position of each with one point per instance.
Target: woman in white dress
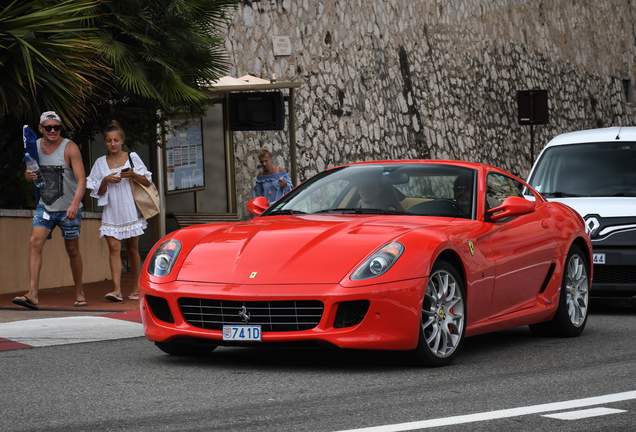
(121, 220)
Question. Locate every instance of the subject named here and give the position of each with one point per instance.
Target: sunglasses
(56, 128)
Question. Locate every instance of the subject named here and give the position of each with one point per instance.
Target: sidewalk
(58, 302)
(58, 322)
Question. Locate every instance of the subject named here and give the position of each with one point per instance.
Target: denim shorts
(70, 228)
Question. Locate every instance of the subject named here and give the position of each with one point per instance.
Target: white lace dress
(120, 217)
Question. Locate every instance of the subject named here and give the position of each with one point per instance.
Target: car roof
(464, 164)
(595, 135)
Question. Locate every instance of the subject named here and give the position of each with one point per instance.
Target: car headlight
(164, 258)
(380, 262)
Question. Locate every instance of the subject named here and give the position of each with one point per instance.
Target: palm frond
(45, 63)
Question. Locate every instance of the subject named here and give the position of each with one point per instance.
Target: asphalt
(58, 322)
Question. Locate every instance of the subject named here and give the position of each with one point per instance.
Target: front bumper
(617, 276)
(391, 322)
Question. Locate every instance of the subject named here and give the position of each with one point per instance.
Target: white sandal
(113, 296)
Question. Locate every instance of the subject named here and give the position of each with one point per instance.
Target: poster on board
(184, 156)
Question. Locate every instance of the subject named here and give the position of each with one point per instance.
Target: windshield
(589, 170)
(405, 189)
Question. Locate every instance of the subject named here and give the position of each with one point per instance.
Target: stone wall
(393, 79)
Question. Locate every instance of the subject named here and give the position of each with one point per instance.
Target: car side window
(498, 188)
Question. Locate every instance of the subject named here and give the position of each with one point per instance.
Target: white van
(594, 172)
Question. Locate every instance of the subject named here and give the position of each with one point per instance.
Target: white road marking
(68, 330)
(581, 414)
(501, 414)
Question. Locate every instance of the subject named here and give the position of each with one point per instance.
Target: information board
(184, 156)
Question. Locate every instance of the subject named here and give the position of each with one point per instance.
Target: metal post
(160, 187)
(292, 137)
(531, 144)
(230, 177)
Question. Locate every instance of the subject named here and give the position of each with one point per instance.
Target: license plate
(242, 333)
(599, 258)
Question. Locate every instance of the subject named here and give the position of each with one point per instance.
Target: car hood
(290, 250)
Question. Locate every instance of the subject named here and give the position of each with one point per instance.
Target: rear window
(594, 170)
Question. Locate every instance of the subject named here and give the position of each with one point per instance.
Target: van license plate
(599, 258)
(242, 333)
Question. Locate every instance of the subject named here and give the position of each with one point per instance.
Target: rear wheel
(571, 315)
(181, 349)
(443, 318)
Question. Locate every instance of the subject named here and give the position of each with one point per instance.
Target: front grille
(272, 316)
(160, 308)
(351, 313)
(614, 274)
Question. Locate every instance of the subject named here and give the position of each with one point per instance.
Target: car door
(522, 247)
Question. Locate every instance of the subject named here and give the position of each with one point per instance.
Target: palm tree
(140, 61)
(166, 50)
(47, 59)
(163, 54)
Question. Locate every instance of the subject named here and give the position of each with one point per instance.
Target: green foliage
(137, 61)
(163, 55)
(165, 50)
(47, 59)
(13, 194)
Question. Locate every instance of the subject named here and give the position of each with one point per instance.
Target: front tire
(571, 315)
(443, 318)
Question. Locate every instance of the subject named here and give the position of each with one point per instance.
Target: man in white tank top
(60, 205)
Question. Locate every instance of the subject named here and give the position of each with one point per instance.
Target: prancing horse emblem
(244, 314)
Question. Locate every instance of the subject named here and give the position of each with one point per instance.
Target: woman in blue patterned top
(273, 182)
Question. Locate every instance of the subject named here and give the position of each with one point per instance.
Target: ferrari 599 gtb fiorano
(395, 255)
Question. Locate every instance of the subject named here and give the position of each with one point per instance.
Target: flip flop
(133, 296)
(25, 303)
(113, 296)
(80, 303)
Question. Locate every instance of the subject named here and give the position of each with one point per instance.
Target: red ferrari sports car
(394, 255)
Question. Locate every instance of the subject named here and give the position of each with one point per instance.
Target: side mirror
(257, 205)
(512, 207)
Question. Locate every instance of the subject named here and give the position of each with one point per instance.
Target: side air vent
(351, 313)
(160, 308)
(547, 278)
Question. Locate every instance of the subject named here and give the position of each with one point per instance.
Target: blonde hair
(264, 152)
(114, 126)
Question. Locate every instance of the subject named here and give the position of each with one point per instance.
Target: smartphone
(125, 170)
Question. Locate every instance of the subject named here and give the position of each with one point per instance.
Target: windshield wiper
(559, 194)
(330, 210)
(625, 194)
(358, 210)
(285, 212)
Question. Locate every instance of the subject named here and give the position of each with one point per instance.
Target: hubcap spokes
(442, 314)
(577, 293)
